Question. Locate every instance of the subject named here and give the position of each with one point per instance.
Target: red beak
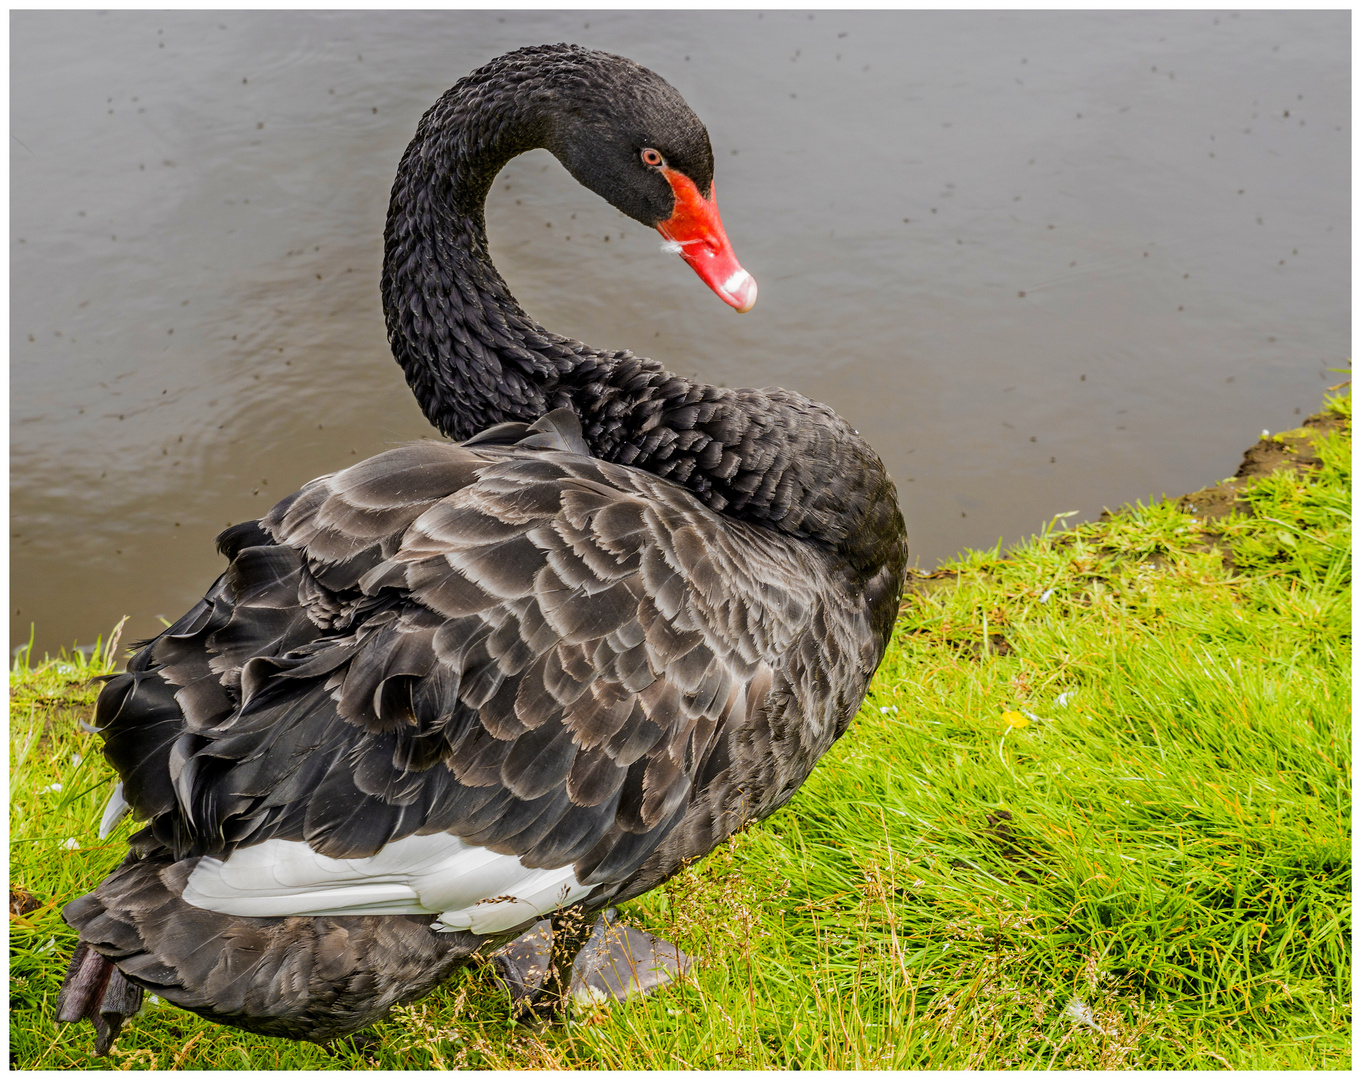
(697, 233)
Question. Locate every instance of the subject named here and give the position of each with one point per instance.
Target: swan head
(626, 133)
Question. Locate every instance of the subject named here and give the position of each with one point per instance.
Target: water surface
(1044, 261)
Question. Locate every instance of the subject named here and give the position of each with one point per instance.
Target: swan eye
(652, 157)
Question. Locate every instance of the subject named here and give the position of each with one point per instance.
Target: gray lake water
(1046, 262)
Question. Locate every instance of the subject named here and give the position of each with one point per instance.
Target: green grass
(1159, 703)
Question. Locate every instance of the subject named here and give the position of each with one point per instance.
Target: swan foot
(522, 965)
(95, 990)
(614, 964)
(619, 962)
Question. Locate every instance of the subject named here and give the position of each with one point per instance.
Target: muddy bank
(1292, 449)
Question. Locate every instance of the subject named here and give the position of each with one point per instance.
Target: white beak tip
(740, 291)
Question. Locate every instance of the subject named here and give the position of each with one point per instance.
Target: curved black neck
(471, 355)
(474, 358)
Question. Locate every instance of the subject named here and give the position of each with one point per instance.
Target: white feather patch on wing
(468, 887)
(114, 810)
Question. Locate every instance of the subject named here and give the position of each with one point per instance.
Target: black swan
(461, 686)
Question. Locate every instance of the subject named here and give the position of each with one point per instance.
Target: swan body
(457, 687)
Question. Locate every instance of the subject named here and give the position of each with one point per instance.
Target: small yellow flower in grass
(1014, 719)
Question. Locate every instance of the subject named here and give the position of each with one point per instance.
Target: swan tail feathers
(301, 977)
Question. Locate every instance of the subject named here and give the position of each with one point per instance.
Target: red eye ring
(652, 157)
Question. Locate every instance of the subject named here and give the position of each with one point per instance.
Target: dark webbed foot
(618, 962)
(522, 966)
(615, 963)
(95, 990)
